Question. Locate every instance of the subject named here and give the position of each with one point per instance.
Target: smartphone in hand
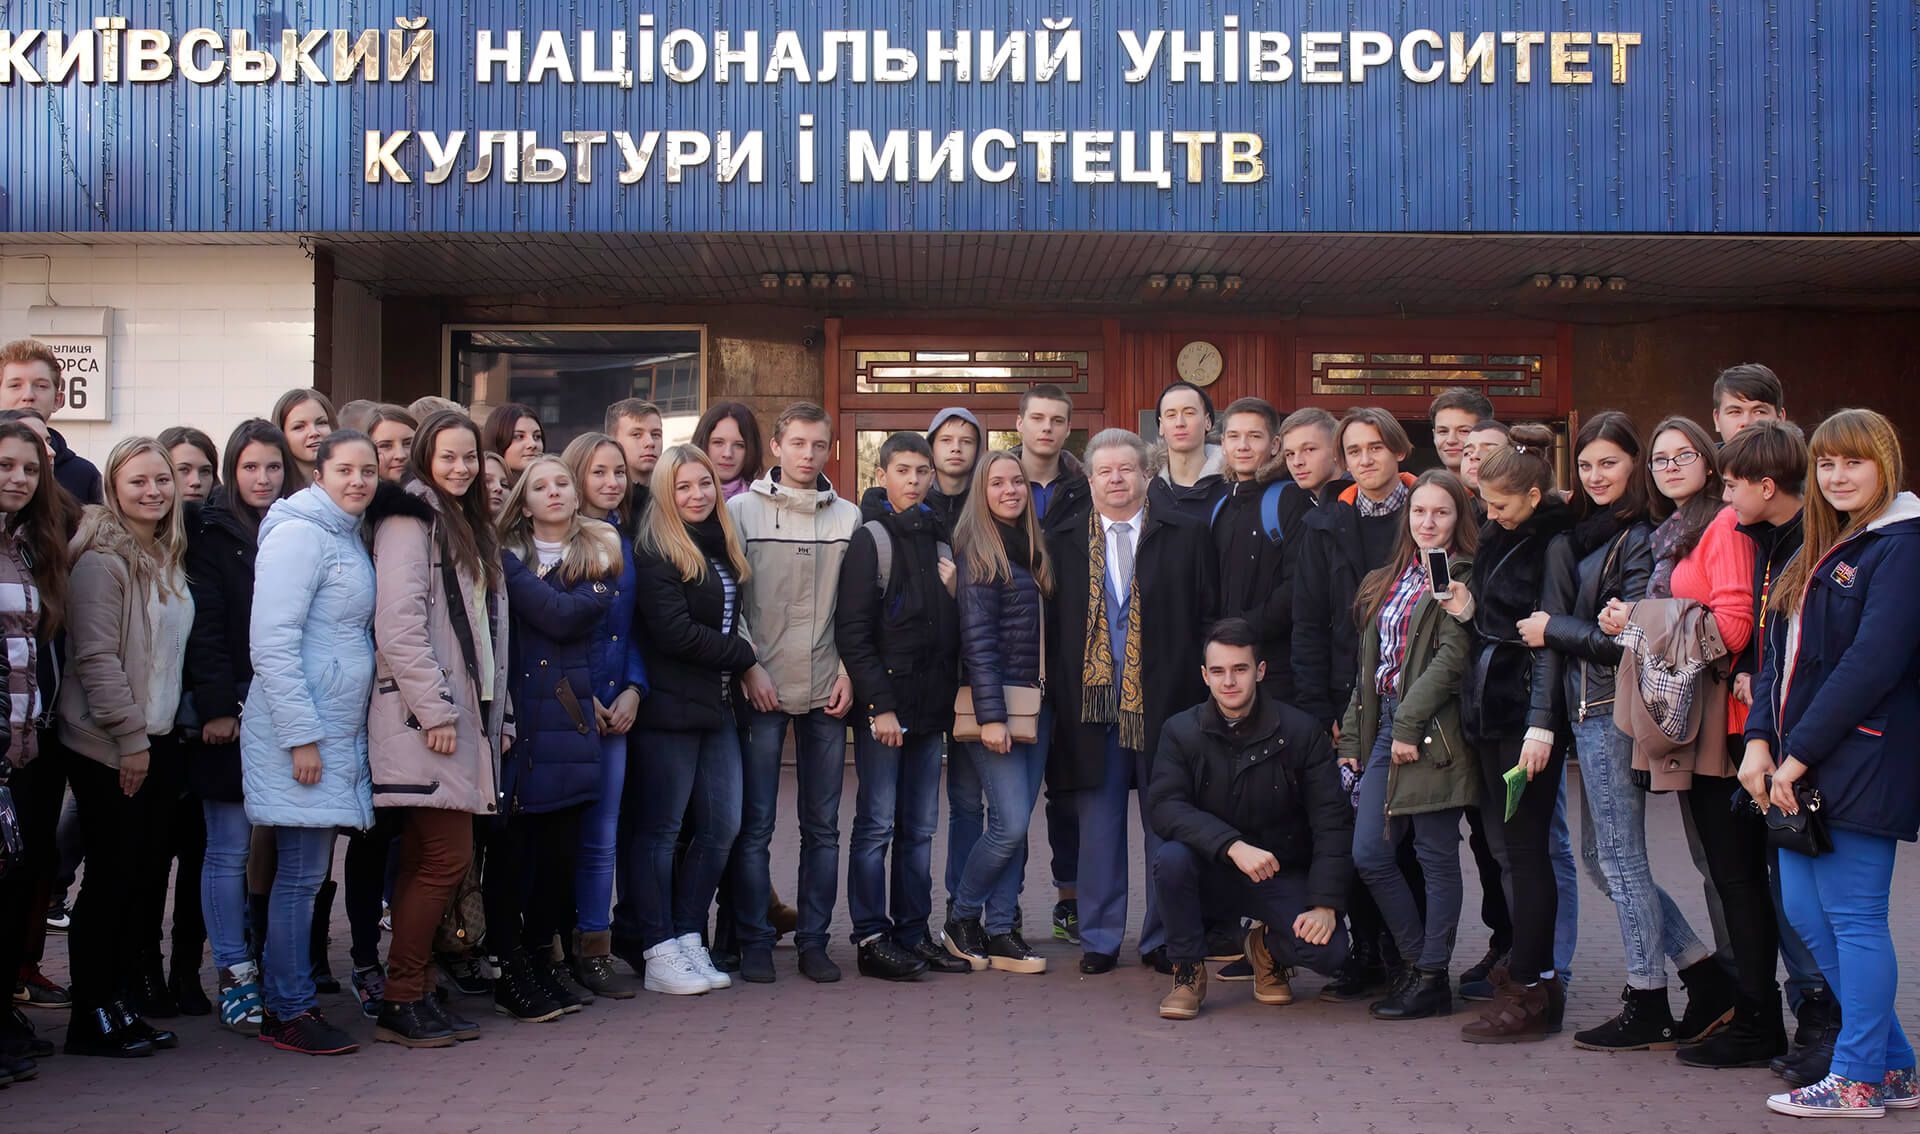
(1439, 577)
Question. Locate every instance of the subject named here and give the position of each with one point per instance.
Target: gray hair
(1118, 438)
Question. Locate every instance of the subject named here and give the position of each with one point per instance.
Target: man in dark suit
(1135, 591)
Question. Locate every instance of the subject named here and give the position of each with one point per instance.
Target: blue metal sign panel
(960, 115)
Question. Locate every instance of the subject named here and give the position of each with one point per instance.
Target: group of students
(549, 695)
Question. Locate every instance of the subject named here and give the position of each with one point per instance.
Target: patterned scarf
(1098, 705)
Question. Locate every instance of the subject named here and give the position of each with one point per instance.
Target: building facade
(888, 208)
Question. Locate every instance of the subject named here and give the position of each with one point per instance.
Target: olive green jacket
(1439, 653)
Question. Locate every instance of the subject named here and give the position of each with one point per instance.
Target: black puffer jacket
(1512, 688)
(1274, 785)
(1071, 499)
(1333, 558)
(219, 667)
(999, 636)
(900, 648)
(1599, 558)
(679, 627)
(1256, 571)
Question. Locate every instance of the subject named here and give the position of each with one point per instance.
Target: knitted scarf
(1098, 705)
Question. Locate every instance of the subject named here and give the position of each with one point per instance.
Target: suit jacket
(1176, 589)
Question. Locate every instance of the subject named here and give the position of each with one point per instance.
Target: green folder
(1516, 778)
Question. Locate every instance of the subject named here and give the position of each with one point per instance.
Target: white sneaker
(670, 971)
(696, 955)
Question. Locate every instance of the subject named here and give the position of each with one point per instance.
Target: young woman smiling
(303, 733)
(560, 572)
(305, 416)
(127, 635)
(1608, 555)
(439, 705)
(513, 431)
(1402, 732)
(599, 469)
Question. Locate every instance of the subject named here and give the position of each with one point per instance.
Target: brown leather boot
(783, 917)
(1189, 989)
(592, 966)
(1520, 1014)
(1272, 982)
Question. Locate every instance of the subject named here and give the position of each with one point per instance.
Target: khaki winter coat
(795, 539)
(102, 706)
(425, 668)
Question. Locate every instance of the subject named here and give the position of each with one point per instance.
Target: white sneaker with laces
(696, 955)
(672, 972)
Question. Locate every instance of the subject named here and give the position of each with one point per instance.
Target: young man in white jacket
(795, 531)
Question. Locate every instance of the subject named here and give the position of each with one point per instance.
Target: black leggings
(369, 855)
(1493, 888)
(1521, 845)
(37, 792)
(1734, 838)
(123, 895)
(528, 885)
(189, 839)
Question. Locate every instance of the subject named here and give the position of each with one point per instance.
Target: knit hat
(951, 412)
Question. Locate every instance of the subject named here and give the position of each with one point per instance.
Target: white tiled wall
(202, 335)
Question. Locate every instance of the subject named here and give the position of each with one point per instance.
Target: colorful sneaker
(1901, 1090)
(1066, 920)
(241, 1008)
(36, 990)
(370, 985)
(307, 1034)
(1832, 1097)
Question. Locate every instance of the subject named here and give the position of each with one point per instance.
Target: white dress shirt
(1119, 581)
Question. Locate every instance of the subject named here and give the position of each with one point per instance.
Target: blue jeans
(897, 805)
(223, 881)
(1566, 876)
(820, 754)
(303, 857)
(1803, 972)
(682, 769)
(1104, 866)
(966, 811)
(1838, 906)
(1436, 842)
(996, 867)
(1613, 847)
(599, 832)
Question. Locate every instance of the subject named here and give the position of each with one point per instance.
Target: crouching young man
(1246, 798)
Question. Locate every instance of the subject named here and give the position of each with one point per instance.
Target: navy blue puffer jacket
(999, 636)
(555, 759)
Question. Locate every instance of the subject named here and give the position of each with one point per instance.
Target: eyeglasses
(1679, 460)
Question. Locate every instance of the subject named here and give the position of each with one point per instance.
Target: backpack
(1269, 510)
(883, 551)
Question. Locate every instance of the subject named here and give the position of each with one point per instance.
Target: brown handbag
(1022, 701)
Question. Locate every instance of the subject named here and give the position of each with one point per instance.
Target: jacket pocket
(406, 789)
(1437, 746)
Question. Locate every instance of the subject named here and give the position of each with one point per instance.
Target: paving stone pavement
(983, 1052)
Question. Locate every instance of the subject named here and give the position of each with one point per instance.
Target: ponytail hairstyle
(1860, 434)
(592, 553)
(976, 534)
(256, 431)
(663, 530)
(1618, 428)
(41, 529)
(467, 520)
(160, 564)
(1698, 512)
(1525, 464)
(1378, 586)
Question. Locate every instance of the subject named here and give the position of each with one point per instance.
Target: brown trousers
(436, 847)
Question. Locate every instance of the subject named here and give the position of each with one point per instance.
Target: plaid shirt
(1396, 616)
(1396, 500)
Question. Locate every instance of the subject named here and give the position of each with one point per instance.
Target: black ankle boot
(1757, 1035)
(184, 986)
(98, 1031)
(1417, 995)
(151, 995)
(1362, 976)
(1811, 1063)
(1816, 1009)
(1710, 1000)
(132, 1023)
(1645, 1023)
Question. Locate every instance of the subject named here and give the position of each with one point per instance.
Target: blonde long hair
(160, 563)
(591, 553)
(663, 530)
(977, 538)
(1862, 435)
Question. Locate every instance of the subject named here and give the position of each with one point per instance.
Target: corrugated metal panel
(1774, 116)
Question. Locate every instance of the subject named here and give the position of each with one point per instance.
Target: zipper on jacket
(406, 789)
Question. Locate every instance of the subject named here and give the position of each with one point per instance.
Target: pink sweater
(1719, 573)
